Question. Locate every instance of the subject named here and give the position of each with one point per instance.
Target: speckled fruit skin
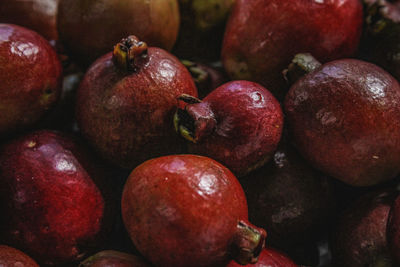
(110, 258)
(289, 198)
(360, 236)
(11, 257)
(262, 37)
(183, 210)
(51, 207)
(127, 116)
(269, 258)
(248, 125)
(393, 231)
(37, 15)
(345, 119)
(89, 29)
(30, 77)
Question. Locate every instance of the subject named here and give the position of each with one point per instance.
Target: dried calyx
(127, 52)
(195, 120)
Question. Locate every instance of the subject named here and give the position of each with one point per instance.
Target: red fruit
(289, 198)
(125, 109)
(188, 210)
(206, 77)
(38, 15)
(344, 118)
(262, 37)
(30, 77)
(360, 236)
(51, 207)
(90, 28)
(269, 258)
(393, 231)
(11, 257)
(238, 124)
(110, 258)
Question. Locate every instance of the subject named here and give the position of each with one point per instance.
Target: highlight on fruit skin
(238, 124)
(189, 210)
(344, 118)
(126, 101)
(30, 78)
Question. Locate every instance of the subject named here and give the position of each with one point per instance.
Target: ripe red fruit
(90, 28)
(111, 258)
(30, 77)
(125, 108)
(289, 198)
(269, 258)
(51, 207)
(38, 15)
(13, 257)
(360, 236)
(238, 124)
(393, 231)
(263, 36)
(344, 118)
(188, 210)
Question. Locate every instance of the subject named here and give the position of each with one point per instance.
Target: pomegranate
(126, 103)
(238, 124)
(189, 210)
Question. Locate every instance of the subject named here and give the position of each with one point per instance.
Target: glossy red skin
(289, 198)
(182, 210)
(262, 37)
(268, 258)
(37, 15)
(393, 232)
(345, 119)
(127, 116)
(360, 236)
(89, 29)
(30, 75)
(11, 257)
(51, 207)
(249, 126)
(110, 258)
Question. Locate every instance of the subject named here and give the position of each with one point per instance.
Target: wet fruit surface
(187, 210)
(238, 124)
(30, 75)
(344, 119)
(51, 207)
(263, 36)
(127, 115)
(38, 15)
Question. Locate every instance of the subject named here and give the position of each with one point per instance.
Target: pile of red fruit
(156, 132)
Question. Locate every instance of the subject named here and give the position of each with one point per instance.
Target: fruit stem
(128, 51)
(248, 242)
(195, 120)
(301, 64)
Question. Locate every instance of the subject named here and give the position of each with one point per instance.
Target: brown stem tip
(248, 243)
(127, 51)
